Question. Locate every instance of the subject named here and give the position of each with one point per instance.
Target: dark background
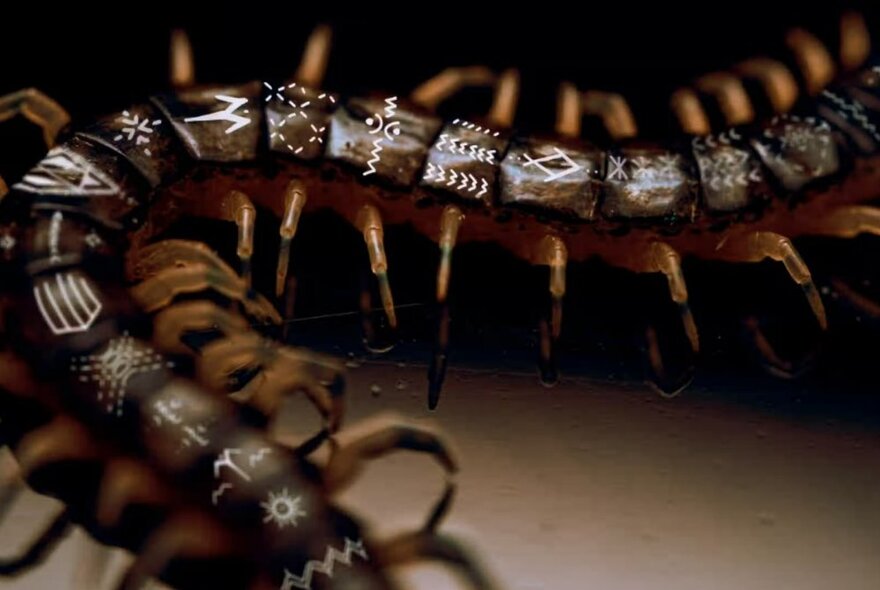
(97, 59)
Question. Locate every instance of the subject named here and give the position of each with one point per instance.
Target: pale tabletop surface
(604, 485)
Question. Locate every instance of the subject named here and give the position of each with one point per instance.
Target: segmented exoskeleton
(115, 186)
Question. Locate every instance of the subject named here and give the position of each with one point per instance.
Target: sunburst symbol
(282, 509)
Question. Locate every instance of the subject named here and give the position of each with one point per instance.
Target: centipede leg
(855, 40)
(294, 201)
(126, 483)
(505, 99)
(813, 59)
(428, 546)
(185, 535)
(284, 370)
(445, 84)
(377, 438)
(37, 551)
(659, 257)
(689, 111)
(37, 108)
(182, 65)
(370, 223)
(777, 81)
(755, 247)
(553, 254)
(730, 94)
(174, 267)
(849, 222)
(313, 65)
(171, 325)
(614, 112)
(440, 357)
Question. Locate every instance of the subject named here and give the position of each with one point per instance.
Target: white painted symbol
(195, 434)
(466, 181)
(854, 111)
(325, 566)
(258, 456)
(112, 369)
(93, 240)
(225, 460)
(167, 412)
(215, 495)
(553, 174)
(617, 168)
(63, 172)
(55, 236)
(282, 509)
(227, 114)
(386, 128)
(475, 127)
(7, 242)
(642, 167)
(137, 130)
(70, 307)
(472, 150)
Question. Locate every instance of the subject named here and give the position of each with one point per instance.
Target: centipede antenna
(730, 94)
(663, 258)
(689, 111)
(313, 65)
(376, 438)
(430, 546)
(450, 221)
(505, 99)
(614, 112)
(568, 110)
(294, 200)
(183, 69)
(448, 82)
(370, 223)
(855, 40)
(40, 547)
(37, 108)
(245, 216)
(777, 81)
(440, 357)
(759, 245)
(813, 59)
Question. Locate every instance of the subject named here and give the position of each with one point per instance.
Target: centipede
(147, 364)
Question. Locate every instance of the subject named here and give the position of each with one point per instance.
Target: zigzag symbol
(856, 111)
(377, 149)
(391, 108)
(304, 582)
